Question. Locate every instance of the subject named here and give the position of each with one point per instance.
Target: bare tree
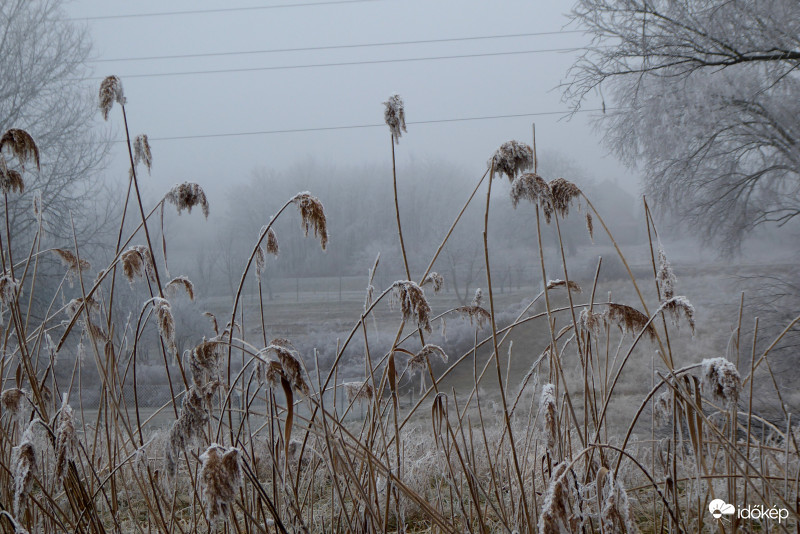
(705, 96)
(42, 58)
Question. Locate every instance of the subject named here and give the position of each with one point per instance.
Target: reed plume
(138, 262)
(590, 321)
(74, 305)
(615, 515)
(26, 466)
(180, 282)
(10, 180)
(165, 322)
(662, 409)
(549, 414)
(204, 362)
(187, 195)
(141, 151)
(395, 116)
(21, 145)
(110, 92)
(552, 284)
(435, 279)
(564, 192)
(189, 426)
(220, 479)
(312, 215)
(412, 303)
(665, 276)
(677, 306)
(511, 159)
(629, 320)
(420, 359)
(476, 314)
(722, 381)
(71, 262)
(65, 438)
(272, 241)
(358, 391)
(9, 287)
(289, 365)
(532, 187)
(16, 402)
(556, 517)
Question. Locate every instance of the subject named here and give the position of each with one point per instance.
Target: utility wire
(375, 125)
(220, 10)
(337, 47)
(340, 64)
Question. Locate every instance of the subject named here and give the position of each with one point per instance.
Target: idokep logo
(718, 508)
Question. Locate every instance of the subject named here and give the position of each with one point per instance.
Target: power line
(342, 64)
(338, 47)
(361, 126)
(220, 10)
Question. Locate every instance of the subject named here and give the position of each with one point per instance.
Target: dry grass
(597, 430)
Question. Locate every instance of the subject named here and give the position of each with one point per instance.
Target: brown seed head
(110, 92)
(290, 366)
(186, 196)
(552, 284)
(204, 362)
(722, 381)
(8, 289)
(665, 276)
(220, 479)
(476, 315)
(21, 145)
(358, 391)
(549, 414)
(615, 515)
(65, 439)
(313, 216)
(511, 159)
(436, 280)
(629, 319)
(141, 151)
(412, 303)
(677, 306)
(564, 192)
(181, 282)
(137, 262)
(395, 116)
(532, 187)
(10, 180)
(165, 322)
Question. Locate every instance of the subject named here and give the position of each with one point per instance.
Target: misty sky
(334, 96)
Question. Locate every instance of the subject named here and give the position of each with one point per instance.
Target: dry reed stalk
(312, 215)
(187, 195)
(110, 92)
(141, 151)
(722, 381)
(413, 304)
(511, 159)
(65, 439)
(395, 116)
(629, 319)
(435, 279)
(21, 145)
(180, 282)
(220, 479)
(552, 284)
